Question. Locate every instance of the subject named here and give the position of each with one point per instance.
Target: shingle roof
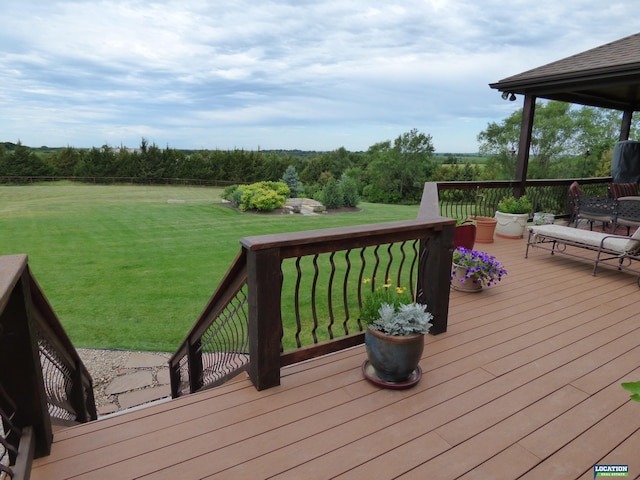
(605, 76)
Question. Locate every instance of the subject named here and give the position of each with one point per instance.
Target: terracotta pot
(485, 228)
(393, 357)
(461, 283)
(465, 236)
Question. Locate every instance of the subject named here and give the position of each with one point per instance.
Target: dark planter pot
(465, 236)
(393, 357)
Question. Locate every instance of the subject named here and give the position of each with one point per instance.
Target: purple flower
(480, 267)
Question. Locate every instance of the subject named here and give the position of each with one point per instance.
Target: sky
(289, 74)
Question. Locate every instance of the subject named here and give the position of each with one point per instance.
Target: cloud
(313, 75)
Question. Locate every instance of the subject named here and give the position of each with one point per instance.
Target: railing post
(434, 276)
(23, 381)
(264, 285)
(78, 396)
(194, 357)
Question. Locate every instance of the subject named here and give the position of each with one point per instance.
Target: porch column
(625, 127)
(526, 127)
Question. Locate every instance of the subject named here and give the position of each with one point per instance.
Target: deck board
(524, 384)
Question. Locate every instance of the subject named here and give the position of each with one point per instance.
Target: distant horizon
(49, 147)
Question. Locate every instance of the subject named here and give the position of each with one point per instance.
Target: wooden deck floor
(525, 384)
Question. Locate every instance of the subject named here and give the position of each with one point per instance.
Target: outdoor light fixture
(508, 95)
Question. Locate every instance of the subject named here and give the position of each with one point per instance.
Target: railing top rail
(471, 184)
(359, 235)
(229, 285)
(11, 268)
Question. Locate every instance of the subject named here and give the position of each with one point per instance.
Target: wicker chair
(591, 209)
(619, 190)
(627, 213)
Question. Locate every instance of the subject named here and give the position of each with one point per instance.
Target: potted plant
(485, 226)
(394, 337)
(465, 233)
(471, 270)
(512, 216)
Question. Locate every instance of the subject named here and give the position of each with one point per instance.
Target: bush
(228, 192)
(263, 196)
(332, 194)
(349, 187)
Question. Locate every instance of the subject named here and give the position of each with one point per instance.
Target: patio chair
(623, 189)
(589, 208)
(627, 213)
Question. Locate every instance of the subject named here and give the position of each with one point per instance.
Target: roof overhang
(606, 76)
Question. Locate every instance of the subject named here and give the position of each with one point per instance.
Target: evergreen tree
(290, 177)
(332, 194)
(349, 188)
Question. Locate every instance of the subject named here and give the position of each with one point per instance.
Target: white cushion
(613, 243)
(633, 245)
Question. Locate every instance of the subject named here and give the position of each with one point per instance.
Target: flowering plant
(392, 311)
(478, 266)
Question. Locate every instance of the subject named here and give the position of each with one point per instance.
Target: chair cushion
(633, 245)
(613, 243)
(623, 189)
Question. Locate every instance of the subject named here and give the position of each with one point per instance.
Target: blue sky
(296, 74)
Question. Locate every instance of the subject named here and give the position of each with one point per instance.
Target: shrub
(228, 192)
(332, 194)
(265, 200)
(262, 196)
(349, 187)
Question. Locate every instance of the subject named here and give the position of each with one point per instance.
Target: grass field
(132, 267)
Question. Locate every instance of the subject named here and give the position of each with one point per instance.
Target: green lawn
(132, 267)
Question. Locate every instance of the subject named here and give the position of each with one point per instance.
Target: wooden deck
(525, 384)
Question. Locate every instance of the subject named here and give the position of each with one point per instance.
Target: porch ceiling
(606, 76)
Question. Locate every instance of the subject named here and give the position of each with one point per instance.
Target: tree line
(567, 142)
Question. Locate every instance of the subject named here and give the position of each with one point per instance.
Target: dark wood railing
(42, 378)
(217, 347)
(463, 199)
(291, 297)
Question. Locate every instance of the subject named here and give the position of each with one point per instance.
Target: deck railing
(42, 378)
(217, 347)
(291, 297)
(463, 199)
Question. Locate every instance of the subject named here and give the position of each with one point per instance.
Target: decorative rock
(145, 359)
(129, 382)
(139, 397)
(162, 376)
